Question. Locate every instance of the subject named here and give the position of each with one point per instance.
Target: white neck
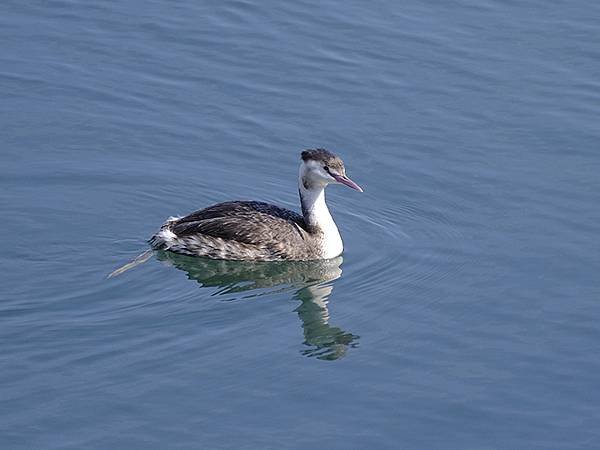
(317, 216)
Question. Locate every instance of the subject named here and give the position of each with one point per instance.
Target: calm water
(465, 311)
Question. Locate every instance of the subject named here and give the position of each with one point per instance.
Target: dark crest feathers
(324, 156)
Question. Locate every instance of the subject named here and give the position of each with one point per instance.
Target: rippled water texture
(465, 311)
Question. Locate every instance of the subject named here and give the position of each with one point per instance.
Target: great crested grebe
(257, 231)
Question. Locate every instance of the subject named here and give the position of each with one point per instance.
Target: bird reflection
(309, 281)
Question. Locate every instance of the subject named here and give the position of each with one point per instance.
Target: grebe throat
(318, 219)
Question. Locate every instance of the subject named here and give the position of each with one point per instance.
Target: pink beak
(347, 181)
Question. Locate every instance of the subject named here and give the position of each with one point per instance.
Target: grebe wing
(247, 222)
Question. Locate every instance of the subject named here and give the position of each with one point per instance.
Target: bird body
(250, 230)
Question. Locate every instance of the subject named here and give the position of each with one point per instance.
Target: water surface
(464, 312)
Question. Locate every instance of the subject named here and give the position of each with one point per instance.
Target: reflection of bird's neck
(325, 341)
(320, 295)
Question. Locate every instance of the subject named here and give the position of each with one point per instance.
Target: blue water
(465, 312)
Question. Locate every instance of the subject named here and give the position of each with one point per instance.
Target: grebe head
(321, 167)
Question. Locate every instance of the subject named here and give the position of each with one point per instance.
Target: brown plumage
(241, 230)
